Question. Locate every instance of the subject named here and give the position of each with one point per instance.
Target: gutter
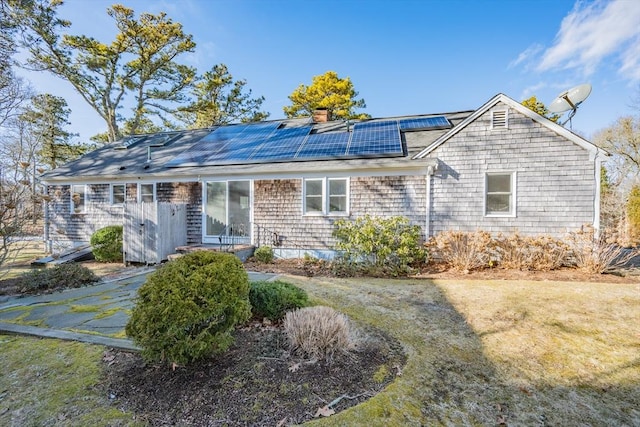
(370, 168)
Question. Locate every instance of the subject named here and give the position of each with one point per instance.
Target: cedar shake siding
(78, 227)
(100, 213)
(555, 184)
(278, 208)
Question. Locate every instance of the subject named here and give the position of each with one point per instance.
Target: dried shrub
(539, 253)
(264, 254)
(318, 332)
(462, 251)
(188, 309)
(273, 299)
(62, 276)
(595, 253)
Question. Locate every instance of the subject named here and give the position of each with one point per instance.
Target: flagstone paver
(95, 314)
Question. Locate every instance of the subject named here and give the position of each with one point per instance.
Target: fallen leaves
(325, 411)
(108, 358)
(294, 367)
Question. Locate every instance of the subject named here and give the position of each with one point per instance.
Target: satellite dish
(569, 100)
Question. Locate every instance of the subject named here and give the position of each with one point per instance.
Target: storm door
(227, 212)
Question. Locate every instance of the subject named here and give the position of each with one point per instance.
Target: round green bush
(273, 299)
(187, 309)
(264, 254)
(107, 244)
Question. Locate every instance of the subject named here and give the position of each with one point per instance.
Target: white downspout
(596, 207)
(427, 228)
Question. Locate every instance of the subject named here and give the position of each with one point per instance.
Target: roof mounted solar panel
(422, 123)
(379, 138)
(324, 146)
(243, 144)
(283, 144)
(220, 144)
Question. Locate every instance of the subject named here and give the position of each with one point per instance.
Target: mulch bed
(255, 383)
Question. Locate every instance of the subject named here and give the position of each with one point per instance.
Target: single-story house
(500, 168)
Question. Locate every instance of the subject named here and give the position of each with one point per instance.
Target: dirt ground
(299, 267)
(256, 383)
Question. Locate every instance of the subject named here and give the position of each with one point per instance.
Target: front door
(227, 212)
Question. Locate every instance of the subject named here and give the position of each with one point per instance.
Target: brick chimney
(320, 115)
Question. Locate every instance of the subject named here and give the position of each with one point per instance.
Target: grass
(479, 353)
(86, 309)
(49, 382)
(492, 352)
(20, 257)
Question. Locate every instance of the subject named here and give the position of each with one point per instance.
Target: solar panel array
(268, 142)
(375, 138)
(419, 123)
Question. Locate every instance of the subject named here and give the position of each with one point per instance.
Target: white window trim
(139, 191)
(86, 199)
(111, 194)
(304, 197)
(325, 197)
(514, 198)
(506, 119)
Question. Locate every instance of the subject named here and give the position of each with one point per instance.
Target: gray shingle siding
(278, 207)
(99, 213)
(555, 185)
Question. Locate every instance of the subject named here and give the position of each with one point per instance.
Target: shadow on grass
(448, 378)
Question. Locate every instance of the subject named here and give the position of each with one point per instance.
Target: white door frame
(226, 239)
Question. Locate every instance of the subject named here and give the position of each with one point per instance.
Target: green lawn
(479, 353)
(50, 382)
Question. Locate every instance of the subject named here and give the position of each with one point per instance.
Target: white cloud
(594, 32)
(530, 91)
(525, 57)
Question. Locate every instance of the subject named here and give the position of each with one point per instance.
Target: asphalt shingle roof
(117, 161)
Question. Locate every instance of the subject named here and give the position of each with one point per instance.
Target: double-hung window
(118, 194)
(326, 196)
(500, 191)
(78, 198)
(146, 193)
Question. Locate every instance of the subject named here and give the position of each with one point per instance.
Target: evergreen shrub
(70, 275)
(264, 254)
(107, 244)
(376, 245)
(187, 309)
(274, 299)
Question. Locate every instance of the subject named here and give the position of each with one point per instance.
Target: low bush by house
(274, 299)
(318, 332)
(539, 253)
(264, 254)
(594, 253)
(462, 251)
(107, 244)
(70, 275)
(188, 309)
(586, 250)
(374, 246)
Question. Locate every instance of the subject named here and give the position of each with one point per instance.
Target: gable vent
(499, 119)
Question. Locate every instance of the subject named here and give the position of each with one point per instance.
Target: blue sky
(404, 57)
